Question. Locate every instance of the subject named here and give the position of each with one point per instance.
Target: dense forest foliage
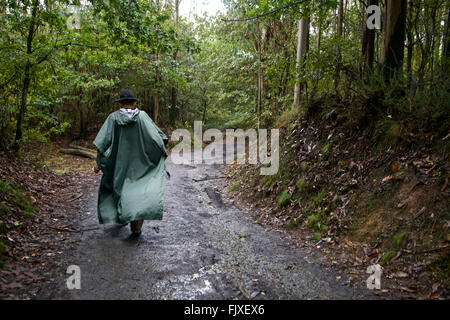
(64, 62)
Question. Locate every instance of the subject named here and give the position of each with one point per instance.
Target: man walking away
(131, 155)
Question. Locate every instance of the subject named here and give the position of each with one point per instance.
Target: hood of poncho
(127, 116)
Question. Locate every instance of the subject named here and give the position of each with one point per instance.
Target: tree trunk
(426, 50)
(260, 76)
(319, 38)
(446, 41)
(340, 18)
(261, 73)
(302, 44)
(368, 46)
(205, 104)
(410, 43)
(173, 89)
(340, 23)
(27, 77)
(81, 122)
(393, 37)
(79, 152)
(23, 106)
(156, 94)
(157, 80)
(343, 16)
(433, 35)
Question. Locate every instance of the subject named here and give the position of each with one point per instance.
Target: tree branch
(266, 13)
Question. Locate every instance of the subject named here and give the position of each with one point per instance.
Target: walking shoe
(136, 227)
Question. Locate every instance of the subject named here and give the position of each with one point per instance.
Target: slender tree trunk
(433, 35)
(156, 94)
(409, 56)
(368, 46)
(261, 70)
(426, 50)
(393, 37)
(446, 41)
(344, 15)
(319, 38)
(340, 18)
(173, 89)
(27, 77)
(157, 80)
(287, 68)
(23, 106)
(302, 44)
(205, 104)
(260, 79)
(80, 110)
(410, 43)
(340, 24)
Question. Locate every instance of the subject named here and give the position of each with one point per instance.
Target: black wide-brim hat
(126, 95)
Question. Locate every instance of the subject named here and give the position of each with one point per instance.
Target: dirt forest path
(202, 249)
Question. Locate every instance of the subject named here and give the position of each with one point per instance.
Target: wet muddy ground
(202, 249)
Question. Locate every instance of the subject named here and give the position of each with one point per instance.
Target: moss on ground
(316, 236)
(387, 257)
(326, 149)
(313, 219)
(284, 199)
(317, 200)
(234, 187)
(13, 196)
(304, 167)
(290, 224)
(399, 241)
(301, 183)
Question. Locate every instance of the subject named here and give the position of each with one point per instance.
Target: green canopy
(131, 155)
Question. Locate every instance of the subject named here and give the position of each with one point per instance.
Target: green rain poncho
(131, 154)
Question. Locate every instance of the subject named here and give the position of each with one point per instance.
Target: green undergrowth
(13, 196)
(284, 199)
(234, 187)
(13, 202)
(342, 168)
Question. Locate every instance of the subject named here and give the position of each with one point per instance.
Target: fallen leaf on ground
(400, 274)
(419, 213)
(435, 295)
